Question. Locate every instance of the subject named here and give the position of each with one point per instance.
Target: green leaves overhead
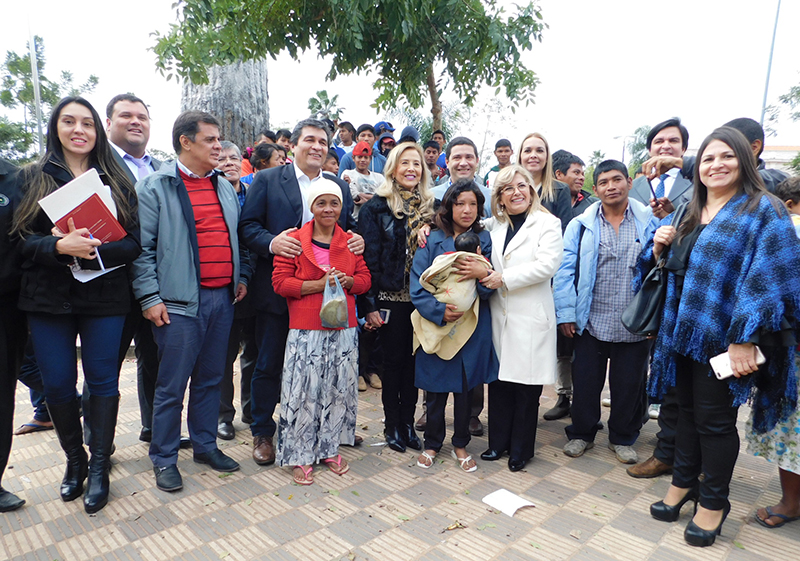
(469, 41)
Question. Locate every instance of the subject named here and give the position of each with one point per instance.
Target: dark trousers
(54, 343)
(626, 379)
(667, 427)
(31, 376)
(243, 333)
(370, 352)
(13, 332)
(435, 429)
(190, 347)
(513, 418)
(140, 330)
(265, 388)
(399, 395)
(707, 440)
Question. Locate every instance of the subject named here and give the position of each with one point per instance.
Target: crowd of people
(327, 264)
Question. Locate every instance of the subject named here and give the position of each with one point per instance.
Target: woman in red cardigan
(320, 368)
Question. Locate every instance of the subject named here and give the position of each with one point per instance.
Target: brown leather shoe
(263, 450)
(651, 467)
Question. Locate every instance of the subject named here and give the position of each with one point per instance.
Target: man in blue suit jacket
(276, 206)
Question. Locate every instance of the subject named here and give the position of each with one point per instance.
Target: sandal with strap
(307, 472)
(463, 462)
(784, 519)
(337, 465)
(33, 426)
(426, 460)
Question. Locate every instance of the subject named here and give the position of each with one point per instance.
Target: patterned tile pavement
(587, 508)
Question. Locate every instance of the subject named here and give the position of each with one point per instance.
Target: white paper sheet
(506, 502)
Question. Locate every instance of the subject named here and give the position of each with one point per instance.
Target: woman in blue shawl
(732, 284)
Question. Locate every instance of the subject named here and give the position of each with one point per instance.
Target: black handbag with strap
(643, 314)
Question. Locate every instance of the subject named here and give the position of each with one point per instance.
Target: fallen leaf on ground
(457, 525)
(575, 534)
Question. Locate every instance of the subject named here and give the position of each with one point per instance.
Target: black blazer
(10, 257)
(561, 205)
(124, 166)
(274, 204)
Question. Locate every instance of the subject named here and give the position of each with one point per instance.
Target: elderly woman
(389, 223)
(527, 252)
(60, 307)
(732, 282)
(320, 367)
(475, 362)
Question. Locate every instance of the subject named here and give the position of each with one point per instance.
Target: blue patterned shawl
(743, 277)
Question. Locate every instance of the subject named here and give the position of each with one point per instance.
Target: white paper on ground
(63, 200)
(506, 502)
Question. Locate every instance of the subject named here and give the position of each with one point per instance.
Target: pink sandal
(337, 465)
(307, 478)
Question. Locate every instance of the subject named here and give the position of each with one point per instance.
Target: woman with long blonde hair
(389, 223)
(535, 156)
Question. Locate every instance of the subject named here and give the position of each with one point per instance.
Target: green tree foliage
(452, 118)
(597, 157)
(638, 149)
(322, 106)
(471, 42)
(17, 139)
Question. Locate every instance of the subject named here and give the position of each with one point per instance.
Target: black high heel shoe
(670, 513)
(695, 535)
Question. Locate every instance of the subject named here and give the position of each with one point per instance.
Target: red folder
(94, 215)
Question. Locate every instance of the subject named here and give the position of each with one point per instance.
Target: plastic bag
(334, 306)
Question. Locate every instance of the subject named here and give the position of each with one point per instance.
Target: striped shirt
(213, 238)
(616, 263)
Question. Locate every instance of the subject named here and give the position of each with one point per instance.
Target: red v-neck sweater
(213, 239)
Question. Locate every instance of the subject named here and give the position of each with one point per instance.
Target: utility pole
(769, 66)
(36, 93)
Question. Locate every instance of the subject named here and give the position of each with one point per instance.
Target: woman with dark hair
(536, 158)
(731, 285)
(389, 223)
(475, 362)
(60, 307)
(264, 156)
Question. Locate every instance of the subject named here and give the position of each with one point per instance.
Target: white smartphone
(721, 364)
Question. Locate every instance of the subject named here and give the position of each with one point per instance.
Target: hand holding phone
(721, 364)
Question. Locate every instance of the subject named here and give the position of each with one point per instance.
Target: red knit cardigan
(288, 276)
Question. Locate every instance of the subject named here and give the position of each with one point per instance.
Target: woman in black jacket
(65, 297)
(389, 223)
(534, 156)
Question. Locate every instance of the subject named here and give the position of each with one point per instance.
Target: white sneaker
(606, 402)
(576, 447)
(625, 454)
(654, 410)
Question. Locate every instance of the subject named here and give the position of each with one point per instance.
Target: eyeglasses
(225, 160)
(511, 188)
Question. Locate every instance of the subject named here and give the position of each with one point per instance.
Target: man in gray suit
(667, 139)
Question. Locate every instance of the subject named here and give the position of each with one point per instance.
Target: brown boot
(263, 450)
(651, 467)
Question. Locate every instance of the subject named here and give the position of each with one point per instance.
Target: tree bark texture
(236, 94)
(436, 104)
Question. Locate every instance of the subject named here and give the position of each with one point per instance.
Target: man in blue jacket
(592, 288)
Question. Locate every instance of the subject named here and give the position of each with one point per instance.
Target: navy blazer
(273, 204)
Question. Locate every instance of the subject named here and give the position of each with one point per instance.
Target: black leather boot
(67, 422)
(103, 424)
(560, 410)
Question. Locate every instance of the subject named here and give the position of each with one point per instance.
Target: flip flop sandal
(428, 460)
(463, 462)
(770, 514)
(337, 465)
(307, 478)
(28, 428)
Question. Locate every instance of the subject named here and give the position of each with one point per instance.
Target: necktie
(660, 189)
(142, 165)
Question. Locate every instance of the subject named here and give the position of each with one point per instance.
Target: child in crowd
(788, 191)
(363, 182)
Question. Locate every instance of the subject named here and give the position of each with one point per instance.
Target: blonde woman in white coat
(527, 252)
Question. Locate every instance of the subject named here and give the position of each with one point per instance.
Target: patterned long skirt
(319, 395)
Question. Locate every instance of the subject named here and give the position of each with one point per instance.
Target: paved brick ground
(385, 508)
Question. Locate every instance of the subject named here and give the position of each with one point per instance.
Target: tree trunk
(236, 94)
(436, 104)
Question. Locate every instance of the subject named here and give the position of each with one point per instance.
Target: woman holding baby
(475, 362)
(527, 244)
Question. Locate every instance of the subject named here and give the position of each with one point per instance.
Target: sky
(605, 68)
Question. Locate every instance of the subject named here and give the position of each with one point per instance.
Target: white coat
(523, 313)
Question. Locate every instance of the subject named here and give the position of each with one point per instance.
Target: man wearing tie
(669, 138)
(128, 127)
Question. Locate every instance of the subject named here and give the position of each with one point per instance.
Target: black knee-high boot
(103, 424)
(67, 422)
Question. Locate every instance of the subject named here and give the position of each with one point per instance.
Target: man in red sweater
(187, 281)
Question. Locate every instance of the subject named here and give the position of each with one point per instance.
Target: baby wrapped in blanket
(441, 280)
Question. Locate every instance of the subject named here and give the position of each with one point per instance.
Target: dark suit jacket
(680, 193)
(274, 204)
(124, 165)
